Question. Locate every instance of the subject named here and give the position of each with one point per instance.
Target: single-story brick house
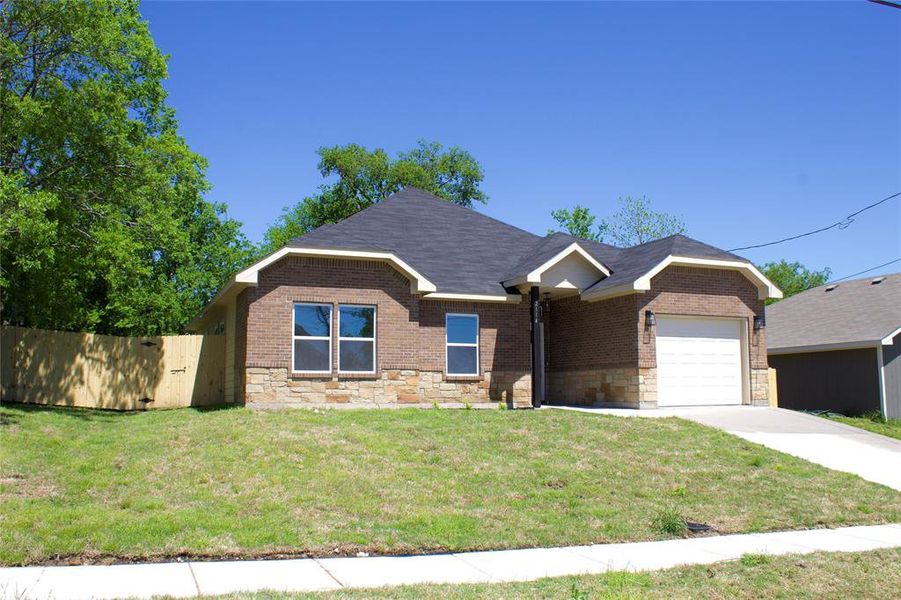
(416, 300)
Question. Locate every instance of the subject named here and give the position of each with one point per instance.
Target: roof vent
(877, 281)
(829, 288)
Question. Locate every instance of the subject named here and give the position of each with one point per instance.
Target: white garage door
(698, 361)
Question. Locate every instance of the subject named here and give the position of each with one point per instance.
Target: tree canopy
(634, 223)
(793, 277)
(364, 177)
(103, 218)
(578, 222)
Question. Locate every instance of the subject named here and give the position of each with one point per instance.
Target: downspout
(537, 382)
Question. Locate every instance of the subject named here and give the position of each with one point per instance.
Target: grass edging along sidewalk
(890, 428)
(870, 574)
(84, 485)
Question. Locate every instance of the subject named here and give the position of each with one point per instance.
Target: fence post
(772, 388)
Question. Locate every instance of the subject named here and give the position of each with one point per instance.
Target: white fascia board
(890, 338)
(859, 345)
(418, 283)
(765, 287)
(623, 289)
(514, 298)
(535, 275)
(250, 275)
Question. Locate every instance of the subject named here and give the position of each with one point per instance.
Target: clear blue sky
(750, 121)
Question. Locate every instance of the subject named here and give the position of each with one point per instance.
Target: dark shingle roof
(456, 248)
(547, 247)
(463, 251)
(852, 312)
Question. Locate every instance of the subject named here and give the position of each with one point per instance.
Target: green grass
(821, 575)
(88, 484)
(876, 424)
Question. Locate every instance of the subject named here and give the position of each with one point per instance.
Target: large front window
(356, 339)
(312, 338)
(462, 344)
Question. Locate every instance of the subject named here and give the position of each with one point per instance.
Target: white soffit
(534, 276)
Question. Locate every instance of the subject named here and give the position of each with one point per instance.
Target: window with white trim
(462, 344)
(312, 346)
(356, 339)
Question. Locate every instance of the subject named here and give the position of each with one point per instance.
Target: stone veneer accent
(627, 387)
(760, 386)
(274, 388)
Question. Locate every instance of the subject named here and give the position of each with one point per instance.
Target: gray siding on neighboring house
(845, 381)
(891, 359)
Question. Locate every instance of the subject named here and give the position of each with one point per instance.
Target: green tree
(634, 223)
(793, 277)
(578, 222)
(364, 177)
(103, 219)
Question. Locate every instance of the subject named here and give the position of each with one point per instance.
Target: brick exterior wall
(410, 350)
(602, 353)
(710, 293)
(591, 335)
(703, 293)
(596, 352)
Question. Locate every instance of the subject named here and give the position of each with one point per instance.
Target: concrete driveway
(834, 445)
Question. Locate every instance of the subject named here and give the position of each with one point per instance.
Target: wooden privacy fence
(104, 371)
(772, 387)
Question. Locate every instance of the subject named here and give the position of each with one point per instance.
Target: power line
(887, 3)
(844, 223)
(891, 262)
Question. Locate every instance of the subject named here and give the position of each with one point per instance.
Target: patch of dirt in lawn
(15, 485)
(337, 551)
(99, 558)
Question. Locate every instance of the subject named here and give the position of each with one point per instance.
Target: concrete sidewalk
(187, 579)
(834, 445)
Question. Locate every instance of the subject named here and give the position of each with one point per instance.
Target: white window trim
(331, 310)
(375, 334)
(448, 344)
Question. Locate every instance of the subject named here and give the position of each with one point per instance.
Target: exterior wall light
(650, 319)
(759, 323)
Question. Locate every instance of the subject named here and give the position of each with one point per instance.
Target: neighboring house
(837, 347)
(416, 300)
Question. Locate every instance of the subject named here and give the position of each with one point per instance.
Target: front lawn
(890, 428)
(87, 484)
(822, 575)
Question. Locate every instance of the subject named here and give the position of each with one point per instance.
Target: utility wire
(891, 262)
(844, 223)
(887, 3)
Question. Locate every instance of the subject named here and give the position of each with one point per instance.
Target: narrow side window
(462, 344)
(312, 338)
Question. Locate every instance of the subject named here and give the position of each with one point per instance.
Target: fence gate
(113, 372)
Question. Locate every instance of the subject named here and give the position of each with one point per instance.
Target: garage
(699, 361)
